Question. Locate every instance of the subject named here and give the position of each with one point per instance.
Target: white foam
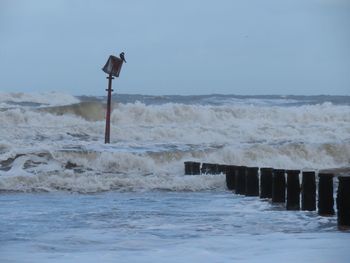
(156, 139)
(90, 182)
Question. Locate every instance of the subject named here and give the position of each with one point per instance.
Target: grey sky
(177, 47)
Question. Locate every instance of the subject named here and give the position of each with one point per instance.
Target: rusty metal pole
(108, 112)
(112, 68)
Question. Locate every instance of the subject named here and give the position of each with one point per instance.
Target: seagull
(121, 55)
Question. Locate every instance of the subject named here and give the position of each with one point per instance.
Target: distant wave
(37, 99)
(48, 99)
(220, 99)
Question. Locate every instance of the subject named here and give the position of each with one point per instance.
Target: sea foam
(61, 147)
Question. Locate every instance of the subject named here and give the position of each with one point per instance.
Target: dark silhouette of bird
(122, 56)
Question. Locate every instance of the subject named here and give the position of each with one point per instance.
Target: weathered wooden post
(188, 168)
(196, 168)
(215, 168)
(325, 194)
(231, 176)
(205, 168)
(252, 181)
(343, 202)
(293, 190)
(266, 182)
(308, 200)
(192, 168)
(112, 68)
(221, 168)
(278, 186)
(240, 180)
(210, 168)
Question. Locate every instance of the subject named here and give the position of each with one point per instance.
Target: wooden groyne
(284, 187)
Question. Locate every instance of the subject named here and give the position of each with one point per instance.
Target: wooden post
(192, 168)
(343, 202)
(204, 169)
(210, 168)
(240, 180)
(215, 168)
(266, 182)
(293, 190)
(278, 186)
(231, 176)
(196, 168)
(252, 181)
(221, 168)
(325, 194)
(108, 113)
(308, 200)
(187, 168)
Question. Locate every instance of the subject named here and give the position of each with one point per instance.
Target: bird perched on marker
(122, 56)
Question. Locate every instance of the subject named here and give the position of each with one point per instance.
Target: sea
(65, 196)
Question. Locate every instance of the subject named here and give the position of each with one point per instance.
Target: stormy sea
(65, 196)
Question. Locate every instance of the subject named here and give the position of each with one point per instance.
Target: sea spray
(60, 147)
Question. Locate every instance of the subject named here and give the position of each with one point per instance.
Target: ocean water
(65, 196)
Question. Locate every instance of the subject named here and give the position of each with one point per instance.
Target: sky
(184, 47)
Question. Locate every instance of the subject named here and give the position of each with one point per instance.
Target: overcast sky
(177, 47)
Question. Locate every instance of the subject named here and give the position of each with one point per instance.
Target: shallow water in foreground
(160, 226)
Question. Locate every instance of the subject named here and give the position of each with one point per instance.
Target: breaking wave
(89, 110)
(51, 148)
